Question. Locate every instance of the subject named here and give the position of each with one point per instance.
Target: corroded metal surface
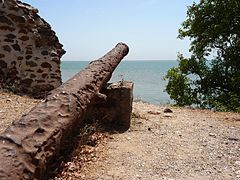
(30, 142)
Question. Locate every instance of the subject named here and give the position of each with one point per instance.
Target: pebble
(238, 172)
(167, 110)
(233, 139)
(167, 116)
(212, 134)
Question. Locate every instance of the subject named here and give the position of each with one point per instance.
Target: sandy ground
(13, 107)
(184, 144)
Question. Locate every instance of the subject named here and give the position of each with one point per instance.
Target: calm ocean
(147, 77)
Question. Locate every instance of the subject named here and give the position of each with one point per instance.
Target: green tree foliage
(210, 78)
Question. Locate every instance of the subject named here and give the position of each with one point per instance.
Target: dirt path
(185, 144)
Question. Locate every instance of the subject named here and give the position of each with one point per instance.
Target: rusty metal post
(30, 142)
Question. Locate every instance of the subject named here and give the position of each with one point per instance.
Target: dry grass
(87, 146)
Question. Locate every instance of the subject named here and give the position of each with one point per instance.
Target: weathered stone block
(116, 110)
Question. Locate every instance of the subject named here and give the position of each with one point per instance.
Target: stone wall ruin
(30, 52)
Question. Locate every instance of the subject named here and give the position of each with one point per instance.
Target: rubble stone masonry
(30, 51)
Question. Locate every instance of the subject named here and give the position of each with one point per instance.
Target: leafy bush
(210, 78)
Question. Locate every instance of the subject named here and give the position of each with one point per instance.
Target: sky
(90, 28)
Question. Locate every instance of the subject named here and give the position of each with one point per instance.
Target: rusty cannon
(28, 145)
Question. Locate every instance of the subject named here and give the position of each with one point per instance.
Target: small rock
(213, 110)
(219, 171)
(149, 129)
(212, 134)
(167, 110)
(168, 116)
(238, 172)
(128, 138)
(233, 139)
(154, 113)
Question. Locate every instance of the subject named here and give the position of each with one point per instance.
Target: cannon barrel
(27, 146)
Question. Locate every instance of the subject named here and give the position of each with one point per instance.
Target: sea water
(147, 77)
